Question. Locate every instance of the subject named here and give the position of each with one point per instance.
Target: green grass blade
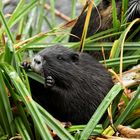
(73, 9)
(21, 26)
(16, 11)
(134, 33)
(124, 59)
(100, 111)
(136, 123)
(9, 34)
(128, 109)
(21, 13)
(1, 5)
(98, 129)
(2, 134)
(116, 22)
(114, 107)
(40, 15)
(88, 46)
(21, 129)
(121, 40)
(8, 55)
(36, 77)
(19, 106)
(85, 28)
(5, 109)
(56, 126)
(30, 104)
(52, 3)
(124, 9)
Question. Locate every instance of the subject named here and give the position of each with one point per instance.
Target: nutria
(75, 83)
(104, 15)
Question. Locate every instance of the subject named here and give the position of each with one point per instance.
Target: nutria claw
(26, 65)
(49, 81)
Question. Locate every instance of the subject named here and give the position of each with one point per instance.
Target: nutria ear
(75, 57)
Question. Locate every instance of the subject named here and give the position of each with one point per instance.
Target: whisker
(133, 10)
(138, 8)
(128, 11)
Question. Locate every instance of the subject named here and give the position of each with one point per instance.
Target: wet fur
(105, 12)
(80, 84)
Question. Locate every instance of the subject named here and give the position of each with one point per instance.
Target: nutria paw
(26, 65)
(49, 81)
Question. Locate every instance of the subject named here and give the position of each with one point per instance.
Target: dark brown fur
(105, 17)
(75, 83)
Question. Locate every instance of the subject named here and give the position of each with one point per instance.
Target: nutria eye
(37, 61)
(59, 57)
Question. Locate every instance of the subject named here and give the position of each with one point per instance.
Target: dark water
(64, 6)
